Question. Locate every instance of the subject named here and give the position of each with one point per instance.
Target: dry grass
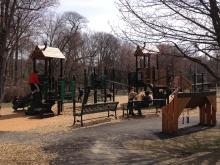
(177, 149)
(24, 154)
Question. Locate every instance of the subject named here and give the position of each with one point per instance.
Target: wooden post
(157, 61)
(46, 67)
(202, 77)
(113, 85)
(60, 101)
(187, 117)
(208, 114)
(194, 82)
(183, 118)
(74, 99)
(153, 75)
(149, 60)
(95, 95)
(105, 92)
(85, 80)
(144, 60)
(202, 114)
(136, 76)
(94, 87)
(50, 75)
(34, 64)
(61, 68)
(213, 116)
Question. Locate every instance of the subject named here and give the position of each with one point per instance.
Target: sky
(100, 13)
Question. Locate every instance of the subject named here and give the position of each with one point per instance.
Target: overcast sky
(100, 13)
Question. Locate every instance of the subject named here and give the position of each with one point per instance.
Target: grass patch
(179, 147)
(203, 147)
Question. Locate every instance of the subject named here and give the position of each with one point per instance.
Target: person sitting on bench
(131, 97)
(139, 101)
(147, 99)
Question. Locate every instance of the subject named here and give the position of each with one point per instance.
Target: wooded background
(185, 32)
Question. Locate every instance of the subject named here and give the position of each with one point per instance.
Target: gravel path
(102, 144)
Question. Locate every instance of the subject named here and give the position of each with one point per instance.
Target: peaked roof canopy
(50, 52)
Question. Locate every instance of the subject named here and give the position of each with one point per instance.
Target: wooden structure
(206, 101)
(145, 73)
(47, 54)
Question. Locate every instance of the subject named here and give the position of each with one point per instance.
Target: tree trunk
(3, 54)
(2, 76)
(16, 65)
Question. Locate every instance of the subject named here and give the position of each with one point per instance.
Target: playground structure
(152, 76)
(146, 76)
(94, 82)
(199, 83)
(206, 101)
(197, 95)
(52, 89)
(98, 80)
(47, 80)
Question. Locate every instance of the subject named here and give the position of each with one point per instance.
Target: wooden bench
(157, 103)
(96, 108)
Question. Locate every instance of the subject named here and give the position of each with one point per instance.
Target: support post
(202, 79)
(105, 92)
(187, 117)
(95, 95)
(113, 85)
(144, 60)
(85, 80)
(202, 113)
(61, 68)
(34, 64)
(74, 97)
(94, 87)
(46, 67)
(213, 116)
(136, 75)
(50, 75)
(209, 116)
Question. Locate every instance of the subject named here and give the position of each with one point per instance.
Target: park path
(101, 144)
(105, 144)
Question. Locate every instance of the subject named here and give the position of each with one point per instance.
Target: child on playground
(34, 82)
(35, 87)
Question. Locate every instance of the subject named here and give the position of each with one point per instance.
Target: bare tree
(107, 49)
(192, 26)
(9, 21)
(64, 32)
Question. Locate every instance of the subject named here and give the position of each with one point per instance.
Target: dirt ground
(18, 121)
